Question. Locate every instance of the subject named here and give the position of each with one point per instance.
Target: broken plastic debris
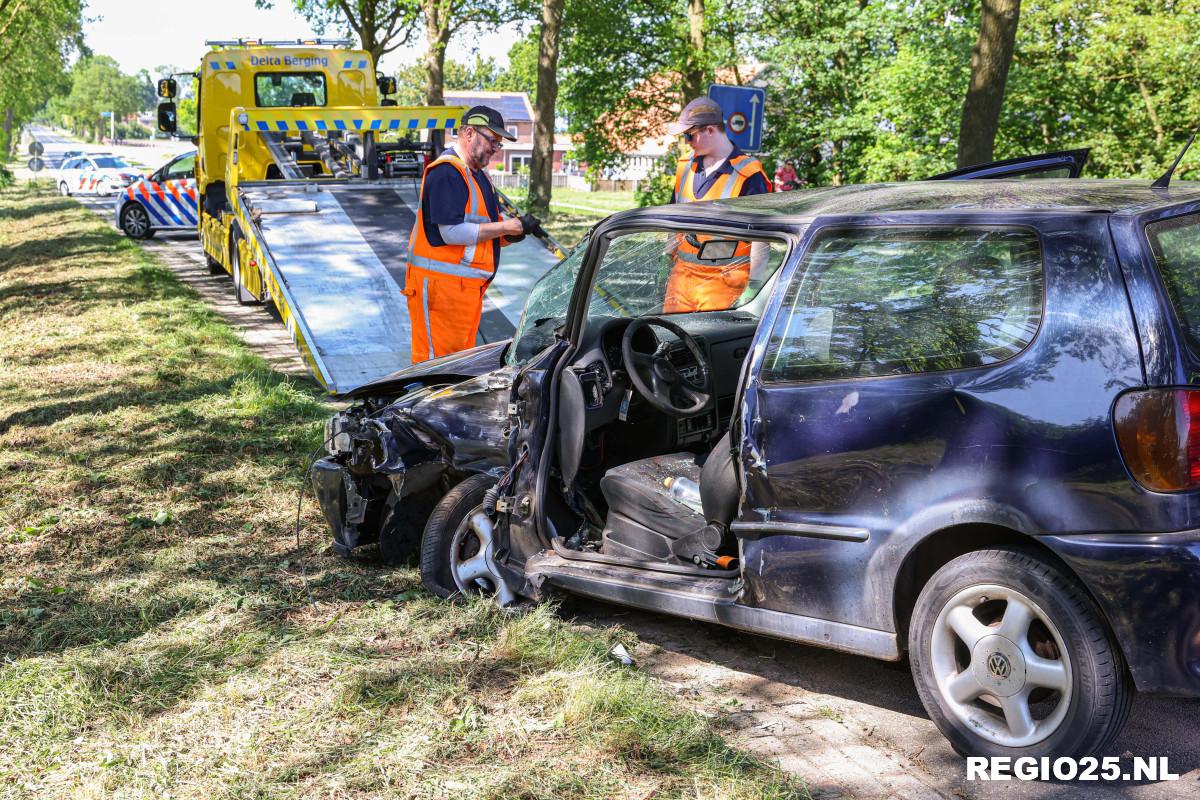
(622, 655)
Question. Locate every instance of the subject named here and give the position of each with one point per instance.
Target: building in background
(518, 117)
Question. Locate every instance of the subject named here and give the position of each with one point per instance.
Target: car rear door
(1060, 164)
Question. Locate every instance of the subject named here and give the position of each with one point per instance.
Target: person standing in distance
(454, 249)
(717, 169)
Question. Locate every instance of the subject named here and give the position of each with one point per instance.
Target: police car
(99, 174)
(164, 201)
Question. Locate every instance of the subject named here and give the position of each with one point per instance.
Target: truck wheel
(240, 293)
(214, 266)
(1012, 658)
(458, 545)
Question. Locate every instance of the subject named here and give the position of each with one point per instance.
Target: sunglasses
(690, 135)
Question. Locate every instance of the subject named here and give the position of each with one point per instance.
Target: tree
(990, 61)
(542, 166)
(99, 86)
(380, 25)
(442, 19)
(37, 39)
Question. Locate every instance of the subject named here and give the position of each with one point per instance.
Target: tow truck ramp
(337, 255)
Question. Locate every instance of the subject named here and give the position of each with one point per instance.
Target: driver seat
(646, 522)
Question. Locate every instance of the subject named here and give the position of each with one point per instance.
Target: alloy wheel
(1001, 665)
(472, 558)
(136, 221)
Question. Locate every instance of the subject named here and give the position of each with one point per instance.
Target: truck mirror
(166, 117)
(386, 84)
(387, 101)
(167, 87)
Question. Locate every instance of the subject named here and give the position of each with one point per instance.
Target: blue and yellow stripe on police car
(354, 118)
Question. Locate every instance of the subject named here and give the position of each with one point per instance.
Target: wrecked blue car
(958, 420)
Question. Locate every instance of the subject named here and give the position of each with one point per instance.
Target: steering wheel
(658, 380)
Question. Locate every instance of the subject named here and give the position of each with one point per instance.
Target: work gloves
(529, 224)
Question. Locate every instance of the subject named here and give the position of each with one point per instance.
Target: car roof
(1068, 194)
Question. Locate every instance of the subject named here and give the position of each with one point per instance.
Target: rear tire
(1011, 657)
(448, 515)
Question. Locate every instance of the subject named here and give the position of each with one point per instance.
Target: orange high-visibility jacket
(695, 285)
(459, 260)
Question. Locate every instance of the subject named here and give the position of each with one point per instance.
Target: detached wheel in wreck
(1012, 658)
(459, 544)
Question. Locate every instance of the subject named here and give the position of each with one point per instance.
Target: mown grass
(156, 638)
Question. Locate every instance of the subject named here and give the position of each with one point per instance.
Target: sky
(148, 36)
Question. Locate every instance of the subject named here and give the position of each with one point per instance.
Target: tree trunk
(692, 85)
(437, 36)
(8, 126)
(990, 60)
(542, 169)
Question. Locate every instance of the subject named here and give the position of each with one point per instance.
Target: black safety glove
(531, 224)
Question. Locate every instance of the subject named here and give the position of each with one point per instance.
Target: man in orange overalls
(454, 250)
(717, 169)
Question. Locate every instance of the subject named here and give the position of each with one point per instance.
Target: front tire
(63, 189)
(459, 545)
(135, 222)
(1012, 658)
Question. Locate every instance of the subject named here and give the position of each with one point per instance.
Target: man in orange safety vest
(716, 170)
(454, 249)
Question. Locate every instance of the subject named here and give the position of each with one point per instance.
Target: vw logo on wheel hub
(998, 666)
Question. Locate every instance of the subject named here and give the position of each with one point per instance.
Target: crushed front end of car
(405, 442)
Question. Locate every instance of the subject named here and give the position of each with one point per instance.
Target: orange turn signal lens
(1158, 432)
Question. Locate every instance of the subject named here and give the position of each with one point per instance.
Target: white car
(100, 174)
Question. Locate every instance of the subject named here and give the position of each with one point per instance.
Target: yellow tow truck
(298, 204)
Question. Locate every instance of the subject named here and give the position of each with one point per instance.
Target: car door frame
(538, 420)
(1074, 160)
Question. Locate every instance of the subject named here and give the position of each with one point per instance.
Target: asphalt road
(850, 726)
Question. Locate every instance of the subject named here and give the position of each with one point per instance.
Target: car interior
(645, 472)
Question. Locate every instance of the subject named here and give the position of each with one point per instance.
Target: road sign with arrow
(742, 107)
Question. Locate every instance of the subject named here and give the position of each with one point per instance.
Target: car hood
(457, 367)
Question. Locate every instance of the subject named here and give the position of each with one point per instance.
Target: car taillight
(1158, 431)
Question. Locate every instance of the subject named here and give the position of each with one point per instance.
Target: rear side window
(1176, 246)
(285, 89)
(894, 301)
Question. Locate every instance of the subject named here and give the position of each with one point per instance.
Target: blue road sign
(743, 110)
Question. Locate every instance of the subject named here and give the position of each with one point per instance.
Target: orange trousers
(700, 287)
(444, 311)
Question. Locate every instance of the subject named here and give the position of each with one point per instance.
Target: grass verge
(156, 639)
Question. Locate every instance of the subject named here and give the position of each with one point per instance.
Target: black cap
(484, 117)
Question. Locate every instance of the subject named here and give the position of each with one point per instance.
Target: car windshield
(111, 162)
(546, 309)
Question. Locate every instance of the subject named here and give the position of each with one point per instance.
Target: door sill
(633, 563)
(708, 598)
